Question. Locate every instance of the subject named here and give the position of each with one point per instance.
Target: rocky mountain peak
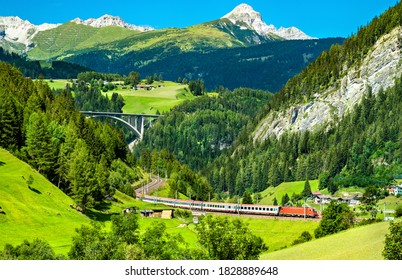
(108, 20)
(16, 30)
(244, 14)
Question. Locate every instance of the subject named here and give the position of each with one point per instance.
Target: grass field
(278, 234)
(40, 212)
(57, 84)
(360, 243)
(165, 96)
(160, 99)
(270, 193)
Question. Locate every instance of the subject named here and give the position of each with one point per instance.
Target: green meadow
(359, 243)
(57, 84)
(164, 97)
(38, 211)
(161, 99)
(270, 193)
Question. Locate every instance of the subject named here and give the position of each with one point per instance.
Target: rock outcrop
(379, 69)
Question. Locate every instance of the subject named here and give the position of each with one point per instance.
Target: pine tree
(246, 199)
(285, 199)
(307, 189)
(81, 176)
(10, 127)
(38, 144)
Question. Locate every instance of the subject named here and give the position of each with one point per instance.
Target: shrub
(304, 237)
(398, 211)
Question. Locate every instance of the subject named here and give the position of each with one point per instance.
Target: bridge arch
(130, 126)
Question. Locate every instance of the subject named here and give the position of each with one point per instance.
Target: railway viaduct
(135, 122)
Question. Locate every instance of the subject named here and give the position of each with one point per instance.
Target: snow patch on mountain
(16, 30)
(108, 20)
(245, 14)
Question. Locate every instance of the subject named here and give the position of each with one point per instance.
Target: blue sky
(317, 18)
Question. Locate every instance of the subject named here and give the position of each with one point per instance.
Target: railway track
(151, 186)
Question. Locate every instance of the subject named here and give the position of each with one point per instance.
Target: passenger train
(255, 209)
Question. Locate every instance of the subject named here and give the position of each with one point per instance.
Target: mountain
(365, 63)
(18, 32)
(245, 16)
(109, 44)
(18, 35)
(108, 20)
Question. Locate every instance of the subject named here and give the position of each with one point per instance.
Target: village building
(351, 200)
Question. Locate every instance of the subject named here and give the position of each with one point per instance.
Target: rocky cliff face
(378, 70)
(16, 30)
(245, 14)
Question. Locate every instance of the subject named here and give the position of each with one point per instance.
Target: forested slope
(360, 147)
(46, 131)
(198, 131)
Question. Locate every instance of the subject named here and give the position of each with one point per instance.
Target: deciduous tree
(393, 242)
(336, 217)
(225, 239)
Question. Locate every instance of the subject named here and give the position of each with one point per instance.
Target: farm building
(321, 198)
(395, 190)
(164, 214)
(145, 87)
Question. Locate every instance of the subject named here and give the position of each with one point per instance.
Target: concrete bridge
(135, 122)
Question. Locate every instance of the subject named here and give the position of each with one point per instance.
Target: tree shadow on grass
(99, 216)
(34, 190)
(103, 206)
(2, 163)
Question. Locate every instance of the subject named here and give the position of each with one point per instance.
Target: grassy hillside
(42, 211)
(361, 243)
(270, 193)
(278, 234)
(72, 37)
